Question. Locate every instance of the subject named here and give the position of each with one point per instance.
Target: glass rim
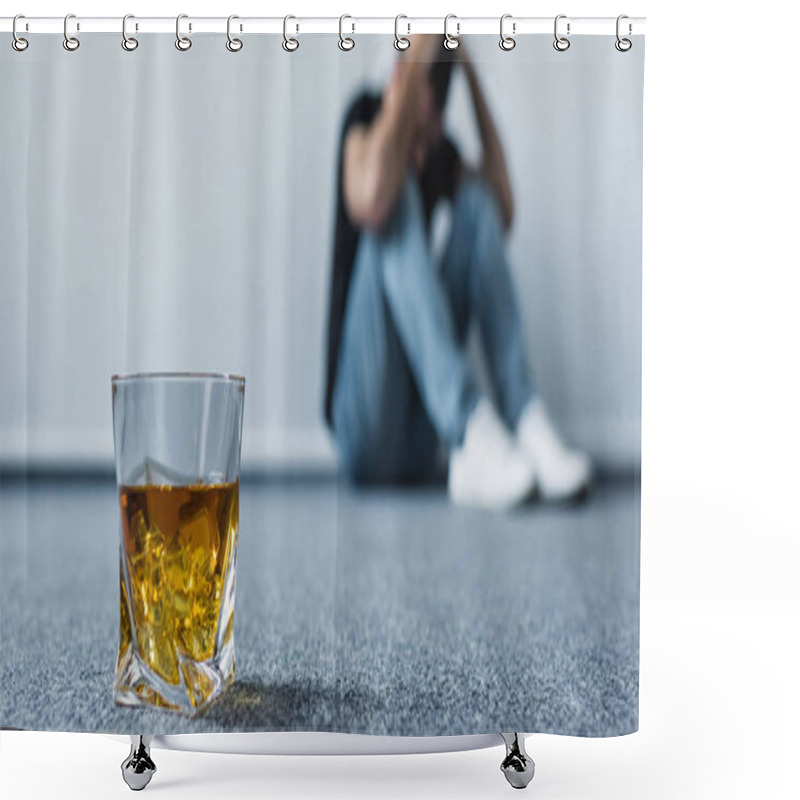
(225, 377)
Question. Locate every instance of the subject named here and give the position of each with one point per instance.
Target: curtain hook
(289, 44)
(18, 43)
(561, 43)
(345, 42)
(129, 43)
(181, 42)
(623, 45)
(507, 42)
(70, 42)
(233, 44)
(451, 42)
(401, 42)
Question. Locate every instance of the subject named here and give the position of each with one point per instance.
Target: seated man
(399, 381)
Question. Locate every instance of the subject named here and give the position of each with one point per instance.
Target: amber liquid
(178, 546)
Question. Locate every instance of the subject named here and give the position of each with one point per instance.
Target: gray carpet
(380, 611)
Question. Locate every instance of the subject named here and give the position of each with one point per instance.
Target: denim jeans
(404, 383)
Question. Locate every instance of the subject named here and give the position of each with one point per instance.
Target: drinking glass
(177, 444)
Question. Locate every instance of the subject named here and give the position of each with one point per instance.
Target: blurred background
(180, 217)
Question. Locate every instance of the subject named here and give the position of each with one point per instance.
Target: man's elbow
(367, 215)
(370, 208)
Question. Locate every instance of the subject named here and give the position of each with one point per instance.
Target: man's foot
(489, 470)
(561, 473)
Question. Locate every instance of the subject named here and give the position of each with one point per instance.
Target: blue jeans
(403, 382)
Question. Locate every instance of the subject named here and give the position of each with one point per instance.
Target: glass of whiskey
(177, 445)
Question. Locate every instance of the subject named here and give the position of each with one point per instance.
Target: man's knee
(476, 201)
(408, 215)
(397, 253)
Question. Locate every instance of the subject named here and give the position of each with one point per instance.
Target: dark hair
(440, 74)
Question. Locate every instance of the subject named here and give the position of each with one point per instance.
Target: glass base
(201, 683)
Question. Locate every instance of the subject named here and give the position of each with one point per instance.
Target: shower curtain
(217, 209)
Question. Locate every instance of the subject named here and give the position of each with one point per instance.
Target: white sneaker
(561, 473)
(489, 470)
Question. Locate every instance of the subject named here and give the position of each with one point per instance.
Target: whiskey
(177, 574)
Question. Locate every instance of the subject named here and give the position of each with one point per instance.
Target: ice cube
(152, 472)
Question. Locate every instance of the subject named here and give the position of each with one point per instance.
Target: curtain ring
(128, 42)
(401, 42)
(561, 43)
(233, 44)
(451, 42)
(18, 43)
(623, 45)
(181, 42)
(289, 44)
(507, 42)
(345, 42)
(70, 42)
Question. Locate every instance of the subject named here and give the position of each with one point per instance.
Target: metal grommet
(623, 45)
(128, 42)
(289, 44)
(561, 43)
(507, 42)
(233, 44)
(451, 42)
(70, 42)
(181, 42)
(345, 42)
(17, 42)
(401, 42)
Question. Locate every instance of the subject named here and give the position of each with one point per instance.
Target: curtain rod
(308, 25)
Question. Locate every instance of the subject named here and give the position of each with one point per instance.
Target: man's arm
(376, 156)
(493, 165)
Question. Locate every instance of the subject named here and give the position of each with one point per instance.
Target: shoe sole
(471, 501)
(575, 497)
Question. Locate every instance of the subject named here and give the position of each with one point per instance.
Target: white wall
(166, 210)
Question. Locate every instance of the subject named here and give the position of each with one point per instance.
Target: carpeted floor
(380, 611)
